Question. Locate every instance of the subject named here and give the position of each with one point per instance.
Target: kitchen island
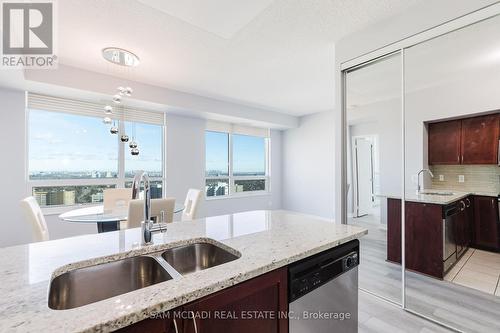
(439, 227)
(264, 241)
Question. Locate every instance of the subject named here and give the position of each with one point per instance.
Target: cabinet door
(147, 325)
(229, 310)
(470, 220)
(461, 227)
(444, 142)
(394, 230)
(164, 323)
(480, 140)
(486, 222)
(424, 238)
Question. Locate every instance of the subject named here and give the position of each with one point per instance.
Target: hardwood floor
(460, 307)
(378, 316)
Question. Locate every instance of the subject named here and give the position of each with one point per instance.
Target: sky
(65, 142)
(249, 153)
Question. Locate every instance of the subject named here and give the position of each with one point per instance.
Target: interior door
(364, 176)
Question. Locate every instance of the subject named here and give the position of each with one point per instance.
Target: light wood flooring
(463, 308)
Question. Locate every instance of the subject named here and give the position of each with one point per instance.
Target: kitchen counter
(438, 199)
(266, 240)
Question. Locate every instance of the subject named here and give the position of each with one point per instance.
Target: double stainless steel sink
(91, 284)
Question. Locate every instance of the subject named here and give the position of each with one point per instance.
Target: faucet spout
(147, 225)
(418, 178)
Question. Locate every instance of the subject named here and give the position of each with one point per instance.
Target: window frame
(118, 182)
(232, 187)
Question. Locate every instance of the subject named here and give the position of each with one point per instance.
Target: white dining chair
(34, 217)
(116, 199)
(136, 211)
(191, 205)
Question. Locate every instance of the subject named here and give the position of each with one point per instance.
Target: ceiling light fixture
(120, 57)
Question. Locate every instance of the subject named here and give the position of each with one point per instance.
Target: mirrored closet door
(452, 239)
(374, 175)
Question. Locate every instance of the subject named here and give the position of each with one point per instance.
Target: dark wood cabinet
(465, 141)
(394, 230)
(486, 234)
(444, 142)
(159, 325)
(424, 238)
(480, 140)
(464, 224)
(267, 294)
(232, 310)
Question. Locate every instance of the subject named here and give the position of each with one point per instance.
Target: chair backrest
(116, 198)
(34, 217)
(191, 205)
(136, 211)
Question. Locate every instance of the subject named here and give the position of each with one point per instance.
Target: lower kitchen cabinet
(244, 306)
(464, 224)
(156, 325)
(257, 305)
(424, 238)
(486, 231)
(394, 230)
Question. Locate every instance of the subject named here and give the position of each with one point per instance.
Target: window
(235, 163)
(73, 157)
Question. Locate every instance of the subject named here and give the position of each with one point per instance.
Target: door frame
(355, 171)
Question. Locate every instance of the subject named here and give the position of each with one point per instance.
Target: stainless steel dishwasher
(323, 291)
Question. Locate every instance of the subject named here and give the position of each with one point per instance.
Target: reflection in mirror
(452, 178)
(374, 164)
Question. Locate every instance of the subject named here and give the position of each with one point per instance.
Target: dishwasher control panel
(313, 272)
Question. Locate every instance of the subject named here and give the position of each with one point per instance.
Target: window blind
(237, 129)
(91, 109)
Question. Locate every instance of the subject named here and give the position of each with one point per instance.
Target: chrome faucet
(148, 227)
(418, 178)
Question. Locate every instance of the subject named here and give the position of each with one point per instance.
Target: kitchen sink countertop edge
(267, 240)
(438, 199)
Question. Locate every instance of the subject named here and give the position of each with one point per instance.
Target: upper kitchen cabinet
(465, 141)
(444, 142)
(480, 140)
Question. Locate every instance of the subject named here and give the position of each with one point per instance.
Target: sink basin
(95, 283)
(196, 257)
(438, 193)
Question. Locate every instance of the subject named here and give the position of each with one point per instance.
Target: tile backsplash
(477, 178)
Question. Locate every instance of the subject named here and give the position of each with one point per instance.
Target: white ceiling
(221, 17)
(277, 55)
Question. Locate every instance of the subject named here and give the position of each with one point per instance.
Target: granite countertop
(438, 199)
(266, 240)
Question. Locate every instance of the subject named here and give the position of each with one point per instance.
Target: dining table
(106, 220)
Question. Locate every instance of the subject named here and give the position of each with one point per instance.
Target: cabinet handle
(463, 205)
(194, 323)
(175, 326)
(468, 202)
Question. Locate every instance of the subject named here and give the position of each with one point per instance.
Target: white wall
(12, 167)
(308, 166)
(185, 156)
